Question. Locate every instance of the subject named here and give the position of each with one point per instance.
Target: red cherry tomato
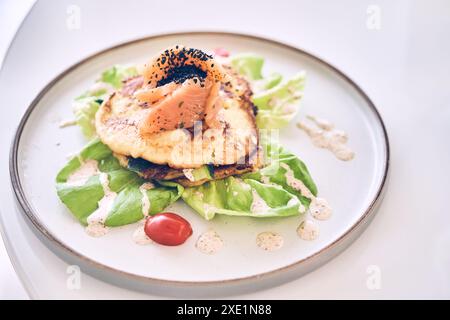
(168, 229)
(221, 52)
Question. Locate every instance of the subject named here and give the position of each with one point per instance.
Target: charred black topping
(175, 65)
(183, 73)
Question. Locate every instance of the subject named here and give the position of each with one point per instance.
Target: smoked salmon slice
(153, 95)
(181, 109)
(181, 86)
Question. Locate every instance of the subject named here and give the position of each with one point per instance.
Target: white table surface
(403, 66)
(11, 15)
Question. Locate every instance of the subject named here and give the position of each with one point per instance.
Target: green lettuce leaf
(276, 100)
(87, 104)
(235, 195)
(127, 206)
(277, 172)
(269, 82)
(249, 65)
(115, 75)
(278, 105)
(84, 110)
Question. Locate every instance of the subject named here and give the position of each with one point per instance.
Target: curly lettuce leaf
(86, 105)
(115, 75)
(268, 82)
(127, 206)
(277, 172)
(235, 195)
(276, 100)
(249, 65)
(84, 110)
(279, 105)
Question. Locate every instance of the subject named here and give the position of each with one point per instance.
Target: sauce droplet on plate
(308, 230)
(269, 241)
(320, 209)
(209, 242)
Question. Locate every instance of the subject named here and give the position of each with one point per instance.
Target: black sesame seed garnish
(175, 66)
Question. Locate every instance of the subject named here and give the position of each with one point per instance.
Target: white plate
(353, 188)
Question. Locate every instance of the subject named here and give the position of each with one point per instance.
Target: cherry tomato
(221, 52)
(168, 229)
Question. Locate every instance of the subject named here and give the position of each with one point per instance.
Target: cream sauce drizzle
(258, 206)
(208, 208)
(323, 135)
(318, 207)
(269, 241)
(145, 200)
(209, 242)
(294, 201)
(295, 183)
(139, 235)
(67, 123)
(188, 174)
(321, 123)
(80, 176)
(96, 220)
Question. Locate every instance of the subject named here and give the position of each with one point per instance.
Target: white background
(11, 15)
(404, 67)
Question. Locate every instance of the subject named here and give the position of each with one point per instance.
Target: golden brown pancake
(229, 136)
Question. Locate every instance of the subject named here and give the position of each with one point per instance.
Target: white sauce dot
(269, 241)
(308, 230)
(320, 209)
(209, 242)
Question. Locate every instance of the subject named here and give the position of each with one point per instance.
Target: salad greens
(115, 75)
(235, 195)
(265, 193)
(84, 110)
(276, 172)
(277, 105)
(127, 206)
(87, 104)
(276, 100)
(249, 65)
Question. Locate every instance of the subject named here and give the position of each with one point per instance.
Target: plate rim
(329, 251)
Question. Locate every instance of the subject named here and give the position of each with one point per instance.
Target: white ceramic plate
(352, 188)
